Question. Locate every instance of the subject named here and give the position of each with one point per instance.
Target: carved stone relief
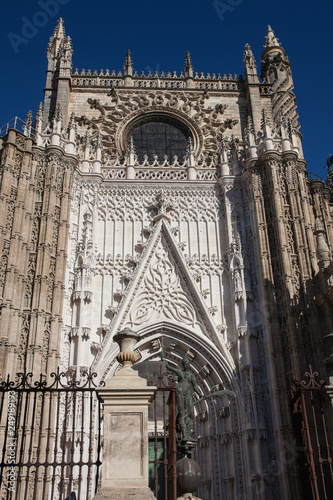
(161, 295)
(116, 115)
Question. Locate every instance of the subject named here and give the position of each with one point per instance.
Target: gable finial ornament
(189, 71)
(71, 123)
(56, 38)
(86, 139)
(128, 64)
(39, 119)
(98, 142)
(264, 118)
(28, 124)
(131, 147)
(188, 66)
(250, 125)
(270, 39)
(190, 148)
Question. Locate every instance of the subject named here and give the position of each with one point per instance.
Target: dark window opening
(161, 136)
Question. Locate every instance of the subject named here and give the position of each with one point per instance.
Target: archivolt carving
(124, 109)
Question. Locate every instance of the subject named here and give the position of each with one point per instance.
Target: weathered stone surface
(216, 256)
(126, 494)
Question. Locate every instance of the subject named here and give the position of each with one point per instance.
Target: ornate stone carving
(116, 116)
(161, 293)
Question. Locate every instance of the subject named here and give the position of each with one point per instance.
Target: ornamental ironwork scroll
(315, 460)
(50, 442)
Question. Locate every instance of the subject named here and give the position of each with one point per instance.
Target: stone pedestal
(126, 399)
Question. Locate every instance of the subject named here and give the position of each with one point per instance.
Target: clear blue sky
(159, 32)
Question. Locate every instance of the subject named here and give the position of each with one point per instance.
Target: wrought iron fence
(315, 463)
(50, 437)
(162, 441)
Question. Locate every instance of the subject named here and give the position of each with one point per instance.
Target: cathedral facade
(179, 206)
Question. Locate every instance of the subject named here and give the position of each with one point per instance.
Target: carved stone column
(230, 483)
(126, 399)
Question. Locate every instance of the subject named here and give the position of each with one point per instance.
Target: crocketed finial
(188, 63)
(71, 123)
(57, 38)
(58, 113)
(233, 143)
(128, 64)
(264, 118)
(250, 126)
(98, 143)
(86, 139)
(131, 147)
(270, 39)
(28, 124)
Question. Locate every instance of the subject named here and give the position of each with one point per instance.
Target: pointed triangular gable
(164, 293)
(161, 290)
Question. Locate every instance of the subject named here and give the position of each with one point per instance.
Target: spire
(59, 71)
(39, 114)
(190, 157)
(71, 132)
(233, 145)
(131, 158)
(270, 39)
(267, 130)
(131, 147)
(189, 71)
(39, 118)
(57, 122)
(58, 115)
(329, 178)
(188, 67)
(225, 170)
(250, 139)
(98, 143)
(275, 65)
(59, 30)
(189, 148)
(128, 64)
(285, 133)
(98, 151)
(71, 123)
(222, 144)
(264, 119)
(56, 39)
(86, 140)
(28, 124)
(234, 156)
(250, 126)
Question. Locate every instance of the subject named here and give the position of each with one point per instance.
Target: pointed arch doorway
(216, 420)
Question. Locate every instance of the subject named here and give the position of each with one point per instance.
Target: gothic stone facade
(213, 254)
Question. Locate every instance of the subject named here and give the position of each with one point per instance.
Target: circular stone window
(161, 136)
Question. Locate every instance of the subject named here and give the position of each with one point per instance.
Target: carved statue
(185, 385)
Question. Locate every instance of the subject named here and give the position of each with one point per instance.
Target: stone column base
(125, 494)
(187, 497)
